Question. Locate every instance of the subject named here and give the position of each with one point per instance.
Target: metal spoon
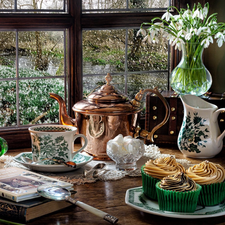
(58, 161)
(94, 170)
(60, 193)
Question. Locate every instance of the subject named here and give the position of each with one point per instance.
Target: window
(32, 65)
(121, 52)
(72, 29)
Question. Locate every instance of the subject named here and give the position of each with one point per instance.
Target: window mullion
(17, 79)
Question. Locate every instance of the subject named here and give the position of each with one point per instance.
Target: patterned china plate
(80, 160)
(136, 199)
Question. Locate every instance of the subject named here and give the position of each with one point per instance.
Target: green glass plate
(136, 199)
(80, 160)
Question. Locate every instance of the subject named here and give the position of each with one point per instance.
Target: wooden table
(109, 196)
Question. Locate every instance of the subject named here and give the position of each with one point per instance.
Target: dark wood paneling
(15, 21)
(17, 138)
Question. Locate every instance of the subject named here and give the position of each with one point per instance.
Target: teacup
(54, 142)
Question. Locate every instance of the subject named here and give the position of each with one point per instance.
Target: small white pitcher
(200, 136)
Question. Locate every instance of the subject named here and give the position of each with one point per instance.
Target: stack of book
(19, 199)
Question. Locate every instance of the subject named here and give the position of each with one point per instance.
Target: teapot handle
(149, 134)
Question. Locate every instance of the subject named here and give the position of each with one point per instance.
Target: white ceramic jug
(200, 136)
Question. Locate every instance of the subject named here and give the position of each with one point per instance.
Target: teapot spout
(64, 118)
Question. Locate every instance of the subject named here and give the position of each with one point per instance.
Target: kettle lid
(106, 101)
(107, 93)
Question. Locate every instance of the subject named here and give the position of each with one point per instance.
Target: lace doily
(109, 172)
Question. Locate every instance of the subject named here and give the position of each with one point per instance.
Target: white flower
(180, 33)
(188, 36)
(207, 41)
(219, 35)
(213, 25)
(159, 24)
(141, 31)
(167, 15)
(205, 12)
(201, 30)
(176, 17)
(196, 13)
(220, 38)
(187, 13)
(179, 25)
(178, 46)
(147, 38)
(220, 42)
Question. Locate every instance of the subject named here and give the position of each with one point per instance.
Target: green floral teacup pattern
(54, 142)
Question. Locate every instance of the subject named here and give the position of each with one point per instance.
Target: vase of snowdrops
(190, 31)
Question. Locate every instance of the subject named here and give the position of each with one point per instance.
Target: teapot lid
(107, 93)
(107, 100)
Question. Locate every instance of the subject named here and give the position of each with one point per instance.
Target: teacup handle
(85, 144)
(4, 146)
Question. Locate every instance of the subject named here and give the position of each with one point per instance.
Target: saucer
(135, 198)
(80, 160)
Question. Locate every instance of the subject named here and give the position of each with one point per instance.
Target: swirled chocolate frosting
(162, 167)
(206, 173)
(178, 182)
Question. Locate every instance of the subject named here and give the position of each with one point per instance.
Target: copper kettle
(105, 114)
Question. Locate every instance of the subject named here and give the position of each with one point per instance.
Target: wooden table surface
(109, 196)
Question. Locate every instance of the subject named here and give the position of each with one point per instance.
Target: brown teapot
(105, 114)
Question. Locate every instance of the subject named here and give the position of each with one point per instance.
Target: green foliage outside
(35, 105)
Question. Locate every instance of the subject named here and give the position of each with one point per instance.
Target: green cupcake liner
(212, 194)
(148, 185)
(177, 201)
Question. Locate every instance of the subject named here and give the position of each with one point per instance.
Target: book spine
(8, 196)
(12, 212)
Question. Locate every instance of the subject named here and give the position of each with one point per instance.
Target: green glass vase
(3, 146)
(191, 76)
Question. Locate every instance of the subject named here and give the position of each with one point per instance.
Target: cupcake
(178, 193)
(154, 170)
(211, 177)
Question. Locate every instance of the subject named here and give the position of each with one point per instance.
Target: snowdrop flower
(167, 15)
(201, 29)
(159, 24)
(213, 25)
(153, 31)
(205, 12)
(178, 46)
(198, 13)
(176, 17)
(155, 40)
(188, 36)
(187, 13)
(147, 38)
(206, 42)
(141, 31)
(220, 38)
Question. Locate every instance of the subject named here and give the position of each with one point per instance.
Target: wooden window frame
(74, 21)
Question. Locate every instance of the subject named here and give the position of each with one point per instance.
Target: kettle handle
(149, 134)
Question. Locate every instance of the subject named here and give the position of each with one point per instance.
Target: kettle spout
(64, 118)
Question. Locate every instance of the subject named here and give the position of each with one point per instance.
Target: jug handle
(149, 134)
(216, 114)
